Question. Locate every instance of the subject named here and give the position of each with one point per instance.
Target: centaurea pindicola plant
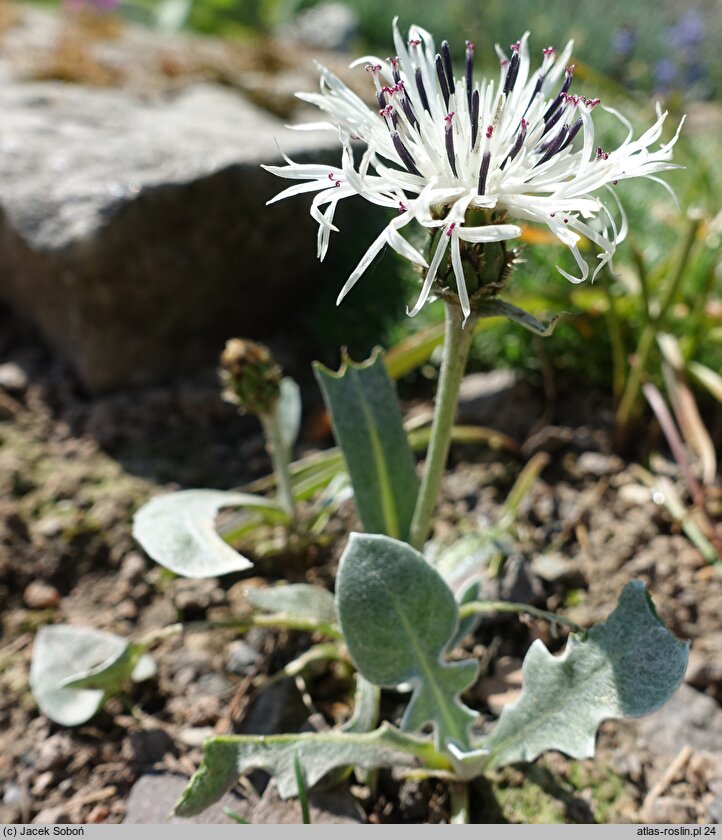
(468, 160)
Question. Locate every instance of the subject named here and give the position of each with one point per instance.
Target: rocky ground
(74, 469)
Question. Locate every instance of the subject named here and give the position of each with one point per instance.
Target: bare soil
(73, 471)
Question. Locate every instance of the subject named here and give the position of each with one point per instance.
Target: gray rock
(499, 400)
(278, 708)
(13, 378)
(335, 805)
(153, 797)
(242, 658)
(689, 718)
(134, 231)
(325, 26)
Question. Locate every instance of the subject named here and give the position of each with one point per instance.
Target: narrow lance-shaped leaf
(178, 531)
(369, 429)
(228, 757)
(627, 666)
(494, 307)
(398, 618)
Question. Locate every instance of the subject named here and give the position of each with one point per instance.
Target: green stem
(619, 354)
(278, 451)
(457, 343)
(629, 404)
(459, 794)
(476, 607)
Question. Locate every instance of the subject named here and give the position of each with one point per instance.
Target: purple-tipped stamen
(518, 143)
(448, 68)
(404, 153)
(449, 138)
(512, 71)
(573, 131)
(554, 146)
(474, 114)
(553, 120)
(483, 172)
(443, 84)
(422, 90)
(560, 96)
(394, 62)
(469, 70)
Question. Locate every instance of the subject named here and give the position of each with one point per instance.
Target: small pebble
(13, 378)
(41, 596)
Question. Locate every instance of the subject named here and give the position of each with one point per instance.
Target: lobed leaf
(225, 758)
(494, 307)
(369, 429)
(398, 618)
(627, 666)
(178, 531)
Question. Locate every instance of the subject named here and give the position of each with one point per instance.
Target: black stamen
(442, 80)
(483, 172)
(573, 131)
(474, 117)
(422, 90)
(469, 71)
(518, 143)
(511, 73)
(552, 121)
(554, 146)
(448, 69)
(404, 154)
(409, 112)
(449, 137)
(535, 92)
(395, 71)
(381, 99)
(565, 87)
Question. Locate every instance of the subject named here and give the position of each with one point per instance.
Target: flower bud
(250, 375)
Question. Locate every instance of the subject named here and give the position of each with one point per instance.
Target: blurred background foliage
(633, 54)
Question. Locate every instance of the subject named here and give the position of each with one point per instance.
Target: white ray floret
(439, 146)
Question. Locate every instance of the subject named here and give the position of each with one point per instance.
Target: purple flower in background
(688, 32)
(665, 74)
(623, 41)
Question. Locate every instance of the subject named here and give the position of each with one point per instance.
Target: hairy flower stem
(278, 451)
(457, 343)
(459, 794)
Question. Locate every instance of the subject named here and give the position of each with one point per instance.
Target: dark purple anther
(408, 110)
(553, 120)
(449, 138)
(469, 72)
(565, 87)
(404, 153)
(573, 131)
(518, 143)
(554, 146)
(474, 117)
(394, 62)
(448, 69)
(483, 172)
(511, 73)
(442, 79)
(422, 90)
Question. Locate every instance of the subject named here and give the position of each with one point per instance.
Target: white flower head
(439, 147)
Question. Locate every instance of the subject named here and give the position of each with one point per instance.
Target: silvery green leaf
(369, 429)
(493, 307)
(625, 667)
(298, 601)
(75, 669)
(225, 758)
(365, 707)
(288, 409)
(178, 531)
(398, 618)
